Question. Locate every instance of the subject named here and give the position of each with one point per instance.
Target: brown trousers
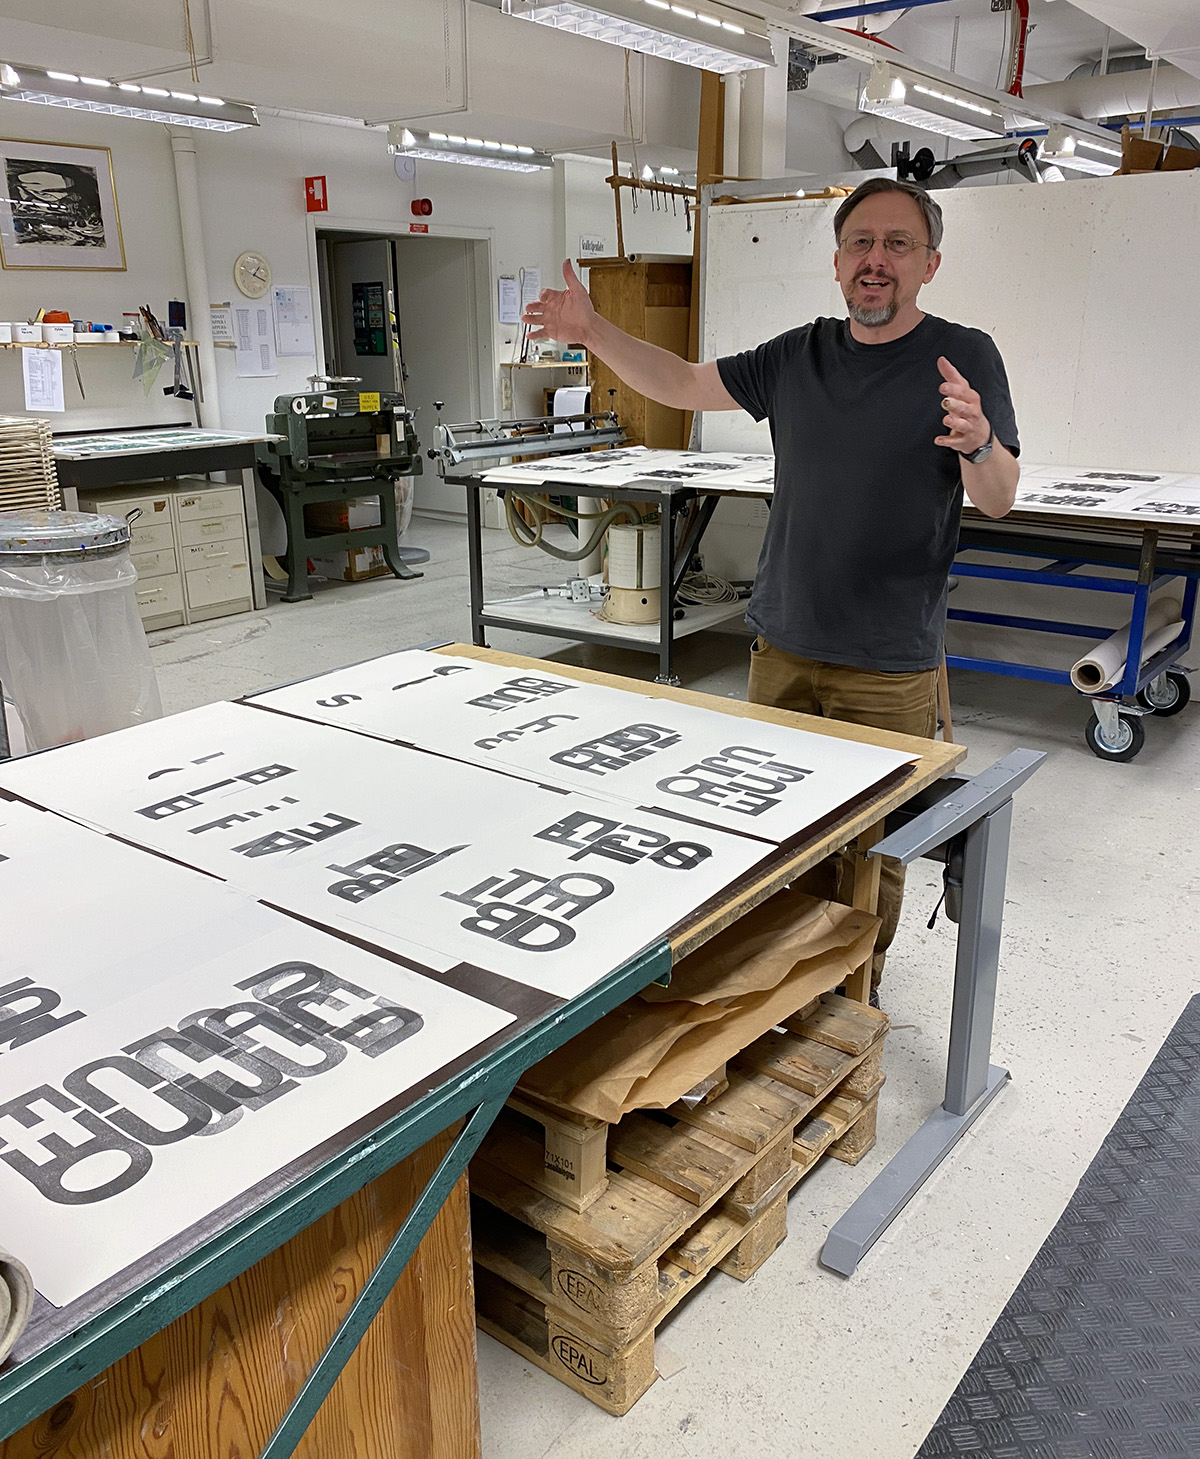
(906, 703)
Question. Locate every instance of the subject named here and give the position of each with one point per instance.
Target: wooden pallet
(547, 1311)
(698, 1188)
(577, 1150)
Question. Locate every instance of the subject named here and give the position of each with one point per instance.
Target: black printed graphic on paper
(741, 779)
(296, 1022)
(618, 748)
(515, 908)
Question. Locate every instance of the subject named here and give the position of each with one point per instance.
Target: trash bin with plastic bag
(74, 661)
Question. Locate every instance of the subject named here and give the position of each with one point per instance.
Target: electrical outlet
(580, 591)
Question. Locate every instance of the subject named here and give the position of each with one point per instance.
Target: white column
(199, 326)
(762, 139)
(733, 123)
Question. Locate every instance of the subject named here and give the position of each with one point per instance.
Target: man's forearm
(992, 485)
(644, 367)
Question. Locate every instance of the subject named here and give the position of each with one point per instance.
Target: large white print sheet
(552, 889)
(740, 774)
(166, 1043)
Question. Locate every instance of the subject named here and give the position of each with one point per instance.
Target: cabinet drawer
(229, 552)
(210, 529)
(209, 585)
(155, 509)
(155, 564)
(220, 501)
(152, 538)
(159, 595)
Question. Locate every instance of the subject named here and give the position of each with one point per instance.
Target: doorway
(403, 314)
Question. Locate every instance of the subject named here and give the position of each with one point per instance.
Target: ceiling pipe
(876, 7)
(1119, 93)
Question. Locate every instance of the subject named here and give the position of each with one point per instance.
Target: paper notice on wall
(254, 336)
(222, 323)
(531, 286)
(293, 319)
(508, 300)
(162, 1064)
(43, 371)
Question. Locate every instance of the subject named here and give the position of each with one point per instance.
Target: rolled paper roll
(1104, 663)
(16, 1301)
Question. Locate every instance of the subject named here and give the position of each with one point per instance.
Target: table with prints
(314, 930)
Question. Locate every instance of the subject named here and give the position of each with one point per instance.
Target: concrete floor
(1100, 955)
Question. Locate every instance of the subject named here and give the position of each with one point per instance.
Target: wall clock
(252, 274)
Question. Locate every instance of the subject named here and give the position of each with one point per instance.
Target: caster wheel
(1168, 695)
(1127, 742)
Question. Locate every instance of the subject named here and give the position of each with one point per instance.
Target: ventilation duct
(1118, 94)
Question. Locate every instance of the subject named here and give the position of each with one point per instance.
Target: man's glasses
(898, 245)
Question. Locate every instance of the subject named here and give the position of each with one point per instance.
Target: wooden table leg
(214, 1384)
(865, 898)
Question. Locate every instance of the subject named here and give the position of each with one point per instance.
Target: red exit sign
(316, 197)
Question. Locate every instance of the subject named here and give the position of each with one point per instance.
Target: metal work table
(1150, 553)
(190, 453)
(575, 620)
(64, 1348)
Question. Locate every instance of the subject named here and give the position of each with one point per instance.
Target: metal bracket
(971, 799)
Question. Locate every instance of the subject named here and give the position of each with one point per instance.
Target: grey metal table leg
(258, 587)
(972, 1081)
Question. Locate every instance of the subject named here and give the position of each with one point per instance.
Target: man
(879, 423)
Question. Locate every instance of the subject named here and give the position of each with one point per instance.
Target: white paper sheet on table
(711, 470)
(737, 773)
(550, 889)
(267, 1037)
(444, 702)
(1094, 492)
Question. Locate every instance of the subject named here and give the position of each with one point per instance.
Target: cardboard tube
(1104, 663)
(16, 1301)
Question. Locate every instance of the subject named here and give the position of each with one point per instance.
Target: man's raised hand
(967, 427)
(562, 314)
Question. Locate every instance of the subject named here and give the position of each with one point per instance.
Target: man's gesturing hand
(966, 425)
(562, 314)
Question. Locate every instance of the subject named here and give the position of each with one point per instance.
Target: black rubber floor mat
(1097, 1355)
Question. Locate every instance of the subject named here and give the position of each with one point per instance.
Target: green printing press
(332, 445)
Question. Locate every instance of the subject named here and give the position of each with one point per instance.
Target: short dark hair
(929, 209)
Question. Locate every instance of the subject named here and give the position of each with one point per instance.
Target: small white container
(58, 333)
(23, 333)
(109, 333)
(6, 333)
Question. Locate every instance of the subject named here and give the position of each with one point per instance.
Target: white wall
(146, 200)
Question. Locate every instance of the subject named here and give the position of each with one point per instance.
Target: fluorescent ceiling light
(712, 36)
(1084, 154)
(124, 99)
(910, 99)
(471, 151)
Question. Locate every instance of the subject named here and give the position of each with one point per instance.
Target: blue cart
(1060, 552)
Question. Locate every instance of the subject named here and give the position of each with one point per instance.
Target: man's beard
(873, 318)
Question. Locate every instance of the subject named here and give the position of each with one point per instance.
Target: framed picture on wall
(58, 207)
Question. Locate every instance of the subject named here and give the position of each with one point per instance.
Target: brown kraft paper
(652, 1049)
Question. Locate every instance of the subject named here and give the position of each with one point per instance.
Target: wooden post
(617, 205)
(866, 899)
(710, 163)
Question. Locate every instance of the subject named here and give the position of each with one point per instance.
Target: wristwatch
(981, 453)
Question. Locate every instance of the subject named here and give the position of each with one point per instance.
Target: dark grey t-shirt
(864, 521)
